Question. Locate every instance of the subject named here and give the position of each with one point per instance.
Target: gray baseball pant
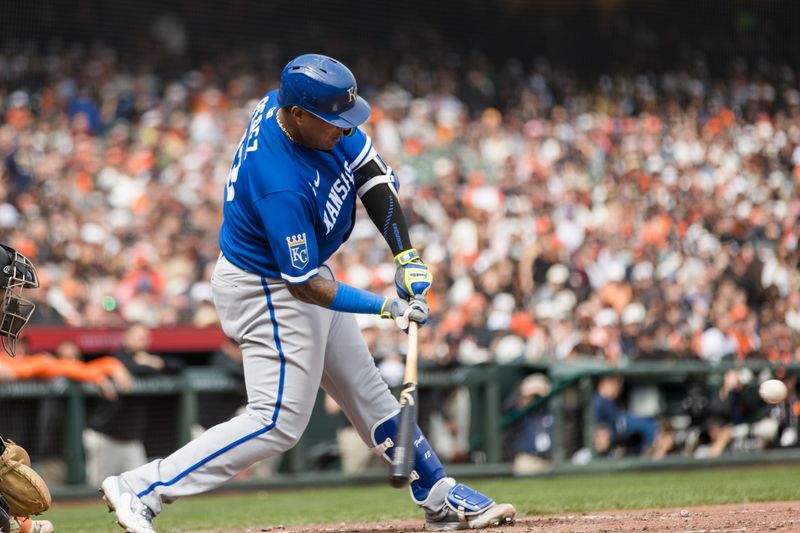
(290, 348)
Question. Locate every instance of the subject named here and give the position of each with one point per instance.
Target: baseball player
(289, 203)
(22, 491)
(16, 273)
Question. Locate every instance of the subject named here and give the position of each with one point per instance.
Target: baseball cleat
(454, 506)
(499, 514)
(132, 514)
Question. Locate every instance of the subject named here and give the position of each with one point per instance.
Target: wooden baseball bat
(403, 450)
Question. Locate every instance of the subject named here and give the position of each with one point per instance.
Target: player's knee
(284, 431)
(284, 440)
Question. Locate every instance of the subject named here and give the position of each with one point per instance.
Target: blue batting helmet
(325, 88)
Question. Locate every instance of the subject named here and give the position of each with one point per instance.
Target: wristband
(407, 256)
(349, 299)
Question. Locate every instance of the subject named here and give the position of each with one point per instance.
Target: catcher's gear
(16, 273)
(25, 491)
(402, 312)
(15, 451)
(5, 518)
(412, 279)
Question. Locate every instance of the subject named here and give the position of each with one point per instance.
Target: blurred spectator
(759, 425)
(787, 415)
(444, 410)
(530, 439)
(724, 410)
(18, 422)
(212, 408)
(633, 317)
(354, 455)
(107, 373)
(40, 423)
(577, 195)
(112, 439)
(617, 431)
(49, 447)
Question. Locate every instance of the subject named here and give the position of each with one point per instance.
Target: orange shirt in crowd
(617, 295)
(44, 366)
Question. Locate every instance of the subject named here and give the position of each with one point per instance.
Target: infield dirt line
(761, 517)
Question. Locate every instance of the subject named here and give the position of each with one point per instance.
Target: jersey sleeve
(288, 223)
(366, 164)
(358, 149)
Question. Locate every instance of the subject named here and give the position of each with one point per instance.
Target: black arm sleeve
(383, 207)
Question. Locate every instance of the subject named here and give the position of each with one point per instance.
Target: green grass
(531, 496)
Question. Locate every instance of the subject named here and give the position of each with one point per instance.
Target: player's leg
(352, 379)
(278, 336)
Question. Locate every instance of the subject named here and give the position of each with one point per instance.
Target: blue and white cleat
(132, 514)
(454, 506)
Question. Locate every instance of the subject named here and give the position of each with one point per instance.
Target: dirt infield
(744, 517)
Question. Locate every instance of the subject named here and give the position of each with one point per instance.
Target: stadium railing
(489, 384)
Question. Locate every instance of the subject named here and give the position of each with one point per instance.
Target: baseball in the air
(772, 391)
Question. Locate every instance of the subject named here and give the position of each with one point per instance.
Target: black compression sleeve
(384, 208)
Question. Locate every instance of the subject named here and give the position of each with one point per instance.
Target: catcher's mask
(16, 273)
(5, 518)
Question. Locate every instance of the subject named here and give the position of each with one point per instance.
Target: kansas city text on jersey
(339, 191)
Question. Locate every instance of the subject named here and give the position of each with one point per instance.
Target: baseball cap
(634, 313)
(557, 274)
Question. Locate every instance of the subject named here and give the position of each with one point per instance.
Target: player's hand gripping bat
(403, 456)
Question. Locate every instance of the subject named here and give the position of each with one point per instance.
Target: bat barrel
(404, 452)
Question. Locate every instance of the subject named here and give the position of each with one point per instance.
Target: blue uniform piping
(252, 435)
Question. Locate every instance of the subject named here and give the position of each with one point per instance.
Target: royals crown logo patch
(298, 251)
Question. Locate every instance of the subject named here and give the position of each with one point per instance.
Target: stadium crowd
(621, 216)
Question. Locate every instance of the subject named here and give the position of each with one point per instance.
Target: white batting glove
(404, 312)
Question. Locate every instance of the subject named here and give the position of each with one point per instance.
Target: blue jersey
(288, 208)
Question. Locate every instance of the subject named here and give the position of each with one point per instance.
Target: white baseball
(773, 391)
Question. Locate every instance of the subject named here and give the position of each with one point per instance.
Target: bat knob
(398, 482)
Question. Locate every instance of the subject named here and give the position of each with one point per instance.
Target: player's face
(317, 133)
